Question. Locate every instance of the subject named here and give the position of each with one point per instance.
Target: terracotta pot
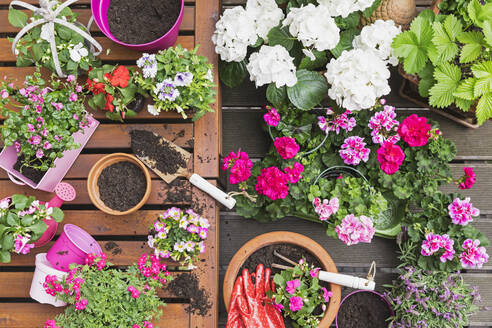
(402, 12)
(284, 237)
(95, 172)
(434, 6)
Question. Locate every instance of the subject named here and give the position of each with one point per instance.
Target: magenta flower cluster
(354, 230)
(474, 255)
(433, 243)
(326, 208)
(240, 166)
(354, 150)
(338, 123)
(272, 117)
(384, 126)
(287, 147)
(273, 183)
(462, 211)
(468, 180)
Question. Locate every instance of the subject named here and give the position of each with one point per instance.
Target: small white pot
(43, 269)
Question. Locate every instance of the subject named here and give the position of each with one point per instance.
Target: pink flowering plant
(101, 296)
(179, 235)
(46, 116)
(300, 296)
(21, 224)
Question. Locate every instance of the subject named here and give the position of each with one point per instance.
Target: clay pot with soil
(144, 25)
(119, 184)
(363, 306)
(260, 250)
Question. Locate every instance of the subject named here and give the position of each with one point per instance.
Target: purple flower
(166, 90)
(4, 93)
(17, 146)
(78, 88)
(39, 153)
(73, 97)
(183, 79)
(295, 303)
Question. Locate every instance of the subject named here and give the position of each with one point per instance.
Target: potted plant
(119, 184)
(179, 235)
(450, 66)
(347, 166)
(42, 270)
(260, 251)
(46, 132)
(139, 25)
(302, 60)
(53, 38)
(99, 295)
(114, 90)
(23, 221)
(178, 79)
(365, 306)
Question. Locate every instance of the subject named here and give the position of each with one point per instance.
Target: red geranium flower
(120, 77)
(95, 88)
(109, 103)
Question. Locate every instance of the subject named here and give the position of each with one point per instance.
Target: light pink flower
(39, 153)
(4, 93)
(433, 243)
(30, 127)
(292, 285)
(296, 303)
(287, 147)
(21, 244)
(339, 122)
(353, 151)
(17, 146)
(47, 145)
(354, 230)
(70, 78)
(271, 118)
(314, 272)
(58, 106)
(327, 294)
(474, 256)
(384, 126)
(294, 172)
(462, 211)
(73, 97)
(272, 183)
(326, 208)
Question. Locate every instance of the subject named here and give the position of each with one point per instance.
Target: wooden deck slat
(23, 315)
(80, 2)
(188, 23)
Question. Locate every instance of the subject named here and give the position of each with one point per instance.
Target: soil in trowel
(147, 144)
(363, 310)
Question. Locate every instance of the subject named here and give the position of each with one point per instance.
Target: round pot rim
(151, 43)
(94, 176)
(284, 237)
(381, 296)
(74, 228)
(46, 267)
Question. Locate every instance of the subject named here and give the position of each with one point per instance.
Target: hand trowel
(183, 171)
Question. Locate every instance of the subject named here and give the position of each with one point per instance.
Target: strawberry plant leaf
(465, 89)
(453, 27)
(470, 52)
(464, 104)
(483, 72)
(426, 80)
(445, 45)
(484, 108)
(448, 76)
(487, 31)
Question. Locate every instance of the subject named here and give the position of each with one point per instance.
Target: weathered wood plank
(80, 2)
(188, 23)
(30, 315)
(161, 194)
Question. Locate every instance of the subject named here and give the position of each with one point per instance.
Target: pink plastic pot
(64, 193)
(100, 13)
(72, 246)
(365, 291)
(53, 176)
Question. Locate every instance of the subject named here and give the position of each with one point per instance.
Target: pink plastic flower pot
(53, 176)
(64, 193)
(100, 13)
(72, 246)
(37, 291)
(364, 291)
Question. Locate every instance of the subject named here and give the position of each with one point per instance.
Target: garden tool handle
(346, 280)
(213, 191)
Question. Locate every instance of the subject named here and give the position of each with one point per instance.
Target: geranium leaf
(232, 74)
(8, 242)
(4, 256)
(484, 108)
(57, 214)
(277, 96)
(17, 18)
(320, 60)
(345, 43)
(280, 36)
(310, 89)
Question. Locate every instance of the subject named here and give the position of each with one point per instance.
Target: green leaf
(277, 96)
(232, 74)
(445, 45)
(57, 214)
(20, 201)
(99, 100)
(470, 52)
(8, 242)
(38, 228)
(453, 27)
(319, 61)
(64, 32)
(465, 89)
(464, 104)
(4, 256)
(427, 80)
(484, 108)
(345, 43)
(369, 11)
(27, 220)
(483, 72)
(37, 51)
(310, 89)
(487, 31)
(72, 66)
(280, 36)
(448, 76)
(17, 18)
(470, 37)
(23, 62)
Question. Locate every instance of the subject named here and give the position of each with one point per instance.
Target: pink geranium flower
(433, 243)
(292, 285)
(338, 123)
(354, 230)
(296, 303)
(287, 147)
(468, 180)
(21, 244)
(271, 118)
(272, 183)
(390, 157)
(474, 256)
(314, 272)
(50, 324)
(353, 151)
(240, 166)
(384, 126)
(326, 208)
(462, 211)
(80, 305)
(415, 130)
(327, 294)
(294, 172)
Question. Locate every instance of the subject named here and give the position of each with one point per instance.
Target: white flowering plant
(287, 44)
(34, 47)
(177, 79)
(179, 235)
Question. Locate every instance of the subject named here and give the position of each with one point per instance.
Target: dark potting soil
(265, 256)
(186, 286)
(147, 144)
(363, 310)
(122, 186)
(29, 172)
(142, 21)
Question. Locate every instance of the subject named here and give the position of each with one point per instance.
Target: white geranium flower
(45, 34)
(345, 7)
(266, 15)
(4, 204)
(378, 38)
(313, 26)
(358, 78)
(272, 64)
(309, 54)
(234, 32)
(78, 52)
(152, 110)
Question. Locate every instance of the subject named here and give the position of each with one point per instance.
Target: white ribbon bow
(50, 18)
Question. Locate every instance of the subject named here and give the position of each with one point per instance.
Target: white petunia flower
(78, 52)
(234, 32)
(210, 75)
(148, 64)
(345, 7)
(266, 15)
(152, 110)
(378, 38)
(313, 26)
(358, 78)
(4, 204)
(272, 64)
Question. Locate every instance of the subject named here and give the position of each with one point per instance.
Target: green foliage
(452, 59)
(23, 216)
(310, 89)
(458, 8)
(232, 74)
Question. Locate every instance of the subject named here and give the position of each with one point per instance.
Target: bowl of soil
(364, 306)
(144, 25)
(294, 246)
(119, 184)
